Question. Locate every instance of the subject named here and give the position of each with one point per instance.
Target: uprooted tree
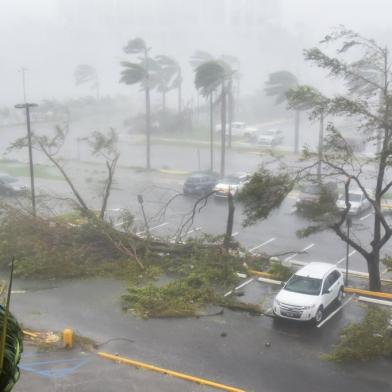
(365, 68)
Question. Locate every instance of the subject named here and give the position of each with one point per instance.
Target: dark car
(199, 184)
(10, 185)
(312, 193)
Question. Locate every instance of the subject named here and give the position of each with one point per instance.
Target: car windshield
(230, 180)
(268, 133)
(351, 197)
(193, 180)
(304, 285)
(8, 179)
(312, 189)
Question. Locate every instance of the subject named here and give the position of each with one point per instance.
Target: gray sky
(51, 37)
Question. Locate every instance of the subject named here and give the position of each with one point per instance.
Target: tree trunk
(148, 129)
(180, 97)
(296, 132)
(223, 130)
(211, 132)
(230, 109)
(320, 146)
(111, 169)
(163, 102)
(230, 221)
(373, 263)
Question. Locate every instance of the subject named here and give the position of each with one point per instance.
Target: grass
(19, 169)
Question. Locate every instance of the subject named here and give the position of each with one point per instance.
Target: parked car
(238, 128)
(308, 293)
(312, 193)
(230, 184)
(199, 184)
(269, 137)
(10, 185)
(357, 199)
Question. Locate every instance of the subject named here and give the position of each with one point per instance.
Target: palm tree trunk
(148, 129)
(223, 130)
(230, 221)
(163, 102)
(211, 132)
(180, 96)
(320, 146)
(296, 132)
(230, 109)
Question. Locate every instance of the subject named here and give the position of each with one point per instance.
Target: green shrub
(366, 340)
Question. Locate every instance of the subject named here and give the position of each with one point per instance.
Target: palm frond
(134, 46)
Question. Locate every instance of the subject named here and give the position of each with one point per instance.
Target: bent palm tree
(171, 78)
(144, 73)
(85, 73)
(278, 84)
(210, 76)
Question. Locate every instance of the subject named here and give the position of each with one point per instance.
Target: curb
(182, 376)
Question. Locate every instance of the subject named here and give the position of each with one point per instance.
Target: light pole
(140, 200)
(27, 107)
(348, 223)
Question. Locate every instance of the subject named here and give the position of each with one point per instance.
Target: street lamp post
(27, 107)
(348, 223)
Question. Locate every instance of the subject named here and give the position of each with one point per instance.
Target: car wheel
(340, 296)
(319, 315)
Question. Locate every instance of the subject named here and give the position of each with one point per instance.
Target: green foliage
(264, 192)
(135, 46)
(279, 83)
(387, 261)
(280, 271)
(366, 340)
(209, 75)
(13, 351)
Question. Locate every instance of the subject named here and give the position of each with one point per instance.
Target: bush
(366, 340)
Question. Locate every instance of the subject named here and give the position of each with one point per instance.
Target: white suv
(307, 294)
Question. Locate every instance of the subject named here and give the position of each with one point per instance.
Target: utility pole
(27, 107)
(23, 70)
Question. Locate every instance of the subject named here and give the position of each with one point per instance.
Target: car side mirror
(326, 291)
(282, 283)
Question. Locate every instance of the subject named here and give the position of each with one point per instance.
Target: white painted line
(239, 287)
(365, 217)
(295, 254)
(119, 224)
(334, 312)
(344, 258)
(18, 291)
(375, 301)
(187, 233)
(384, 272)
(266, 280)
(153, 228)
(234, 234)
(264, 243)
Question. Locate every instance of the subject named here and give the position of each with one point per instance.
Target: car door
(331, 287)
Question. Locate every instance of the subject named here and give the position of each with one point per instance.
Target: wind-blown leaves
(209, 75)
(135, 46)
(264, 192)
(132, 73)
(279, 83)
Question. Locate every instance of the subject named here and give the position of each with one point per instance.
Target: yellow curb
(368, 293)
(31, 334)
(172, 171)
(259, 273)
(172, 373)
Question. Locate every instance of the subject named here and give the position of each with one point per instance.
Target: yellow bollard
(67, 338)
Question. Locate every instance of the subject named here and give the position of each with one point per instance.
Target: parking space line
(365, 217)
(239, 287)
(335, 311)
(234, 234)
(259, 246)
(153, 228)
(344, 258)
(295, 254)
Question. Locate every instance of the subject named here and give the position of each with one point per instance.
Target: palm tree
(197, 59)
(85, 73)
(210, 76)
(145, 73)
(171, 78)
(278, 84)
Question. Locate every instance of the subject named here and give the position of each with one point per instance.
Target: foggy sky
(51, 37)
